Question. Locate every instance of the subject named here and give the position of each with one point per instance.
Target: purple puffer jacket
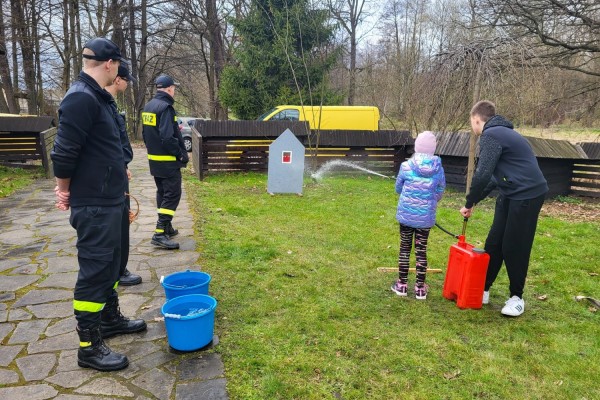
(421, 184)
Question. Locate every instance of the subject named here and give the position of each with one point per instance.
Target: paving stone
(64, 280)
(3, 307)
(3, 316)
(43, 296)
(157, 382)
(67, 341)
(76, 397)
(62, 264)
(7, 296)
(5, 329)
(7, 376)
(28, 331)
(146, 363)
(63, 326)
(52, 310)
(72, 379)
(26, 269)
(19, 314)
(20, 237)
(136, 350)
(175, 258)
(27, 250)
(131, 303)
(143, 287)
(67, 361)
(8, 354)
(206, 366)
(30, 392)
(15, 262)
(14, 283)
(105, 386)
(36, 367)
(207, 390)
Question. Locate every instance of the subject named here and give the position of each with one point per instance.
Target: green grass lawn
(12, 179)
(304, 314)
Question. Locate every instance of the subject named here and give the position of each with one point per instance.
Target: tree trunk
(217, 60)
(138, 68)
(25, 41)
(352, 83)
(473, 136)
(9, 105)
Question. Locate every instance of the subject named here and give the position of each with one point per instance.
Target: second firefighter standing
(166, 155)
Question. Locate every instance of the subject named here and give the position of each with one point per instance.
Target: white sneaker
(513, 307)
(486, 297)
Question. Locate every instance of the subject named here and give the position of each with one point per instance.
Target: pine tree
(284, 54)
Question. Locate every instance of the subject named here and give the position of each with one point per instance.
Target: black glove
(184, 159)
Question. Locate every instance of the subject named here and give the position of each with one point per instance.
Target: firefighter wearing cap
(166, 156)
(88, 162)
(119, 86)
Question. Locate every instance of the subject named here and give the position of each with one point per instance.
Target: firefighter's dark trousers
(99, 231)
(168, 194)
(125, 236)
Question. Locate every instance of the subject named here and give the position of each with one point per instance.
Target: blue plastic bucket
(187, 282)
(190, 321)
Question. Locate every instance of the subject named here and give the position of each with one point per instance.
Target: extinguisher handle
(464, 227)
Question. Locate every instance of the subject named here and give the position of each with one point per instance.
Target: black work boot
(114, 323)
(94, 353)
(170, 231)
(162, 240)
(129, 279)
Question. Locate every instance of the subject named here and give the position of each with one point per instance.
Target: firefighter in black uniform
(166, 155)
(119, 86)
(89, 166)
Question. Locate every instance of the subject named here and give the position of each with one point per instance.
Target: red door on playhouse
(286, 157)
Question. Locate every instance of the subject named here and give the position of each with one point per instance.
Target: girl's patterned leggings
(420, 236)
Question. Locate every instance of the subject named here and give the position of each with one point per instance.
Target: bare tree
(350, 14)
(568, 31)
(10, 105)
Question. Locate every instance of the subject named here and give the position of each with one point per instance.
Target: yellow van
(356, 118)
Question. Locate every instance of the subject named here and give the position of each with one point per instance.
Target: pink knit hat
(425, 143)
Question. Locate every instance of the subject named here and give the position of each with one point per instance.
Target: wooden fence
(244, 146)
(586, 178)
(237, 146)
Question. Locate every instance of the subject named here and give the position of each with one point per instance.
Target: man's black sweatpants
(510, 240)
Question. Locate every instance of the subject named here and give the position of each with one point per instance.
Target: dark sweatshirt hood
(498, 120)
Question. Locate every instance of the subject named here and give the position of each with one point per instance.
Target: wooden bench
(25, 139)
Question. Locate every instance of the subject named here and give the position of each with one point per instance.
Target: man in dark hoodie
(506, 162)
(89, 166)
(166, 155)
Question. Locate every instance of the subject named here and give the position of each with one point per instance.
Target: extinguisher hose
(446, 231)
(464, 228)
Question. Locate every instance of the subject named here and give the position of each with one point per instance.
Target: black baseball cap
(165, 81)
(103, 49)
(124, 72)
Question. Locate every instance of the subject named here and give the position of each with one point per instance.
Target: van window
(288, 115)
(262, 117)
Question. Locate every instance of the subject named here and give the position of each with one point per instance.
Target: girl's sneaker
(421, 292)
(401, 289)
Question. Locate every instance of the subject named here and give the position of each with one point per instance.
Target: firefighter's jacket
(166, 149)
(87, 147)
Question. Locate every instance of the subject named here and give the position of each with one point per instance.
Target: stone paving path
(38, 342)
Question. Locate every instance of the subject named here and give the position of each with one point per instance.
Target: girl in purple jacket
(420, 184)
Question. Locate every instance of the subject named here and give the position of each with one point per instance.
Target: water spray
(329, 165)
